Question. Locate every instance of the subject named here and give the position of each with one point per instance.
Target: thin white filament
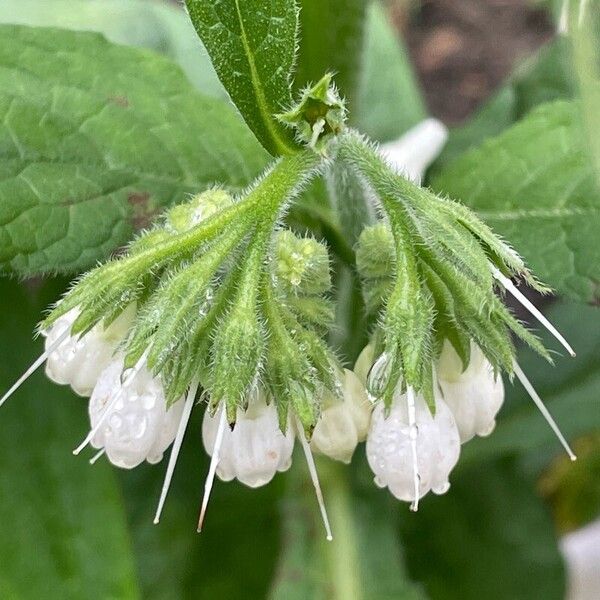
(542, 408)
(130, 377)
(312, 469)
(412, 428)
(214, 462)
(510, 287)
(96, 456)
(183, 423)
(37, 363)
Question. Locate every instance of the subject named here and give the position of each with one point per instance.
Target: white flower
(414, 151)
(475, 395)
(363, 363)
(256, 448)
(131, 412)
(78, 361)
(343, 424)
(389, 449)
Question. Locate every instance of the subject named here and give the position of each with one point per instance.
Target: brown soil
(464, 49)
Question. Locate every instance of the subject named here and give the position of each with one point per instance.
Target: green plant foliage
(389, 101)
(490, 537)
(64, 532)
(331, 34)
(536, 186)
(123, 134)
(569, 390)
(147, 23)
(364, 560)
(546, 77)
(252, 44)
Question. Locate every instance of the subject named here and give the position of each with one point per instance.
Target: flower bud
(389, 447)
(302, 264)
(343, 423)
(474, 395)
(78, 361)
(202, 206)
(256, 448)
(138, 426)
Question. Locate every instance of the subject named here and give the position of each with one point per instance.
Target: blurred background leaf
(150, 24)
(535, 185)
(64, 531)
(489, 537)
(332, 39)
(363, 562)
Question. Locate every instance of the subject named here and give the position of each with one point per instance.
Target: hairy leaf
(95, 139)
(252, 44)
(535, 184)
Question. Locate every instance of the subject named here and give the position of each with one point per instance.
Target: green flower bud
(202, 206)
(375, 254)
(301, 265)
(319, 116)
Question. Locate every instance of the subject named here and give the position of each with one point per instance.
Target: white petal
(412, 153)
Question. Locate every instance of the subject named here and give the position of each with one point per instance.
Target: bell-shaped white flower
(390, 448)
(256, 448)
(131, 416)
(343, 422)
(78, 361)
(474, 395)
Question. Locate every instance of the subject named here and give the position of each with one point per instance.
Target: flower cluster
(221, 298)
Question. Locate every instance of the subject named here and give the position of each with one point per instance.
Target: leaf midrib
(261, 100)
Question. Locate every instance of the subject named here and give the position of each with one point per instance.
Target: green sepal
(319, 115)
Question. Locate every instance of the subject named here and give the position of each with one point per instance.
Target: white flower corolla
(256, 448)
(412, 153)
(78, 361)
(131, 416)
(389, 449)
(474, 395)
(363, 363)
(343, 422)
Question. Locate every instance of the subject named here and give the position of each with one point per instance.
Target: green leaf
(390, 101)
(545, 77)
(149, 24)
(569, 390)
(252, 44)
(535, 184)
(63, 526)
(363, 562)
(489, 537)
(332, 41)
(95, 140)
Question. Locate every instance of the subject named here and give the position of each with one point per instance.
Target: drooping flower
(344, 421)
(78, 360)
(255, 449)
(393, 441)
(129, 416)
(474, 395)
